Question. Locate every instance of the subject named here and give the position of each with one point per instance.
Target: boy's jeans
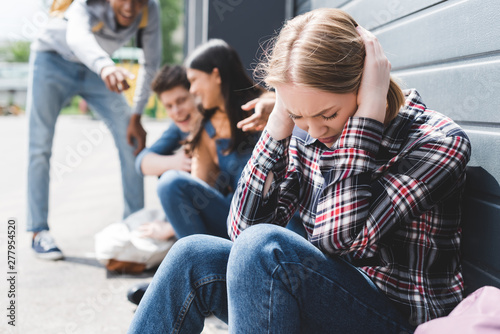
(53, 82)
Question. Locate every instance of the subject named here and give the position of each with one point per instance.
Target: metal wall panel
(481, 226)
(302, 6)
(485, 142)
(449, 31)
(450, 52)
(375, 13)
(466, 90)
(328, 3)
(244, 24)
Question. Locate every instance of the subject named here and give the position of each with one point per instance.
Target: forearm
(156, 164)
(263, 194)
(373, 201)
(349, 190)
(82, 41)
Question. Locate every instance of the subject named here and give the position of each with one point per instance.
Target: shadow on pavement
(116, 274)
(109, 274)
(83, 260)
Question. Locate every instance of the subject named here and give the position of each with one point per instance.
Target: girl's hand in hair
(263, 106)
(279, 125)
(372, 93)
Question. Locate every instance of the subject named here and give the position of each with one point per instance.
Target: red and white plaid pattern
(389, 197)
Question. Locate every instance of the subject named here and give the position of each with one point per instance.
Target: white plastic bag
(122, 241)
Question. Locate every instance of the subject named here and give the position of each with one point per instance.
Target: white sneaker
(45, 248)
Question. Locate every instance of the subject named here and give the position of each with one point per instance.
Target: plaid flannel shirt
(386, 199)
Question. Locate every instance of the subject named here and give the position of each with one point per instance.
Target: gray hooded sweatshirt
(71, 36)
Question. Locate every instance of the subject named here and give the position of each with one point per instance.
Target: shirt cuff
(139, 107)
(362, 133)
(271, 155)
(101, 63)
(269, 151)
(138, 161)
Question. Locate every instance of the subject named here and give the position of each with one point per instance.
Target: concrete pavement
(76, 295)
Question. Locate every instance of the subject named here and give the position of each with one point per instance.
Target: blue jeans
(192, 206)
(53, 82)
(271, 280)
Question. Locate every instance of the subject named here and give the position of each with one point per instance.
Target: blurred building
(13, 84)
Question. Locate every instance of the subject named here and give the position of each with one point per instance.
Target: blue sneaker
(45, 248)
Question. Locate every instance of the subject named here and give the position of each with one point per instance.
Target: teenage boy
(72, 56)
(172, 89)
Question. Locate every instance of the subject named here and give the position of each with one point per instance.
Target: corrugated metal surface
(245, 25)
(450, 51)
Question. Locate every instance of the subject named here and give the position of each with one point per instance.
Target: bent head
(322, 114)
(319, 56)
(126, 11)
(172, 87)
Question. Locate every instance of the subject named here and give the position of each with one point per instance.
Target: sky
(21, 19)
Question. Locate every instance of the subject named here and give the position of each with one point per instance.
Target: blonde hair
(322, 49)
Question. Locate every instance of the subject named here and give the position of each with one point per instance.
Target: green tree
(171, 14)
(21, 51)
(18, 51)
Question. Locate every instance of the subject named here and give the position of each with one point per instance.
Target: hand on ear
(372, 93)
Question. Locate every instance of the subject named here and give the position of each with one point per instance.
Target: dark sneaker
(44, 247)
(135, 293)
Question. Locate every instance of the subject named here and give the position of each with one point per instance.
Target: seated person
(167, 153)
(198, 203)
(172, 88)
(378, 180)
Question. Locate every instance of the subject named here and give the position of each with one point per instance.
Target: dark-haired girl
(198, 203)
